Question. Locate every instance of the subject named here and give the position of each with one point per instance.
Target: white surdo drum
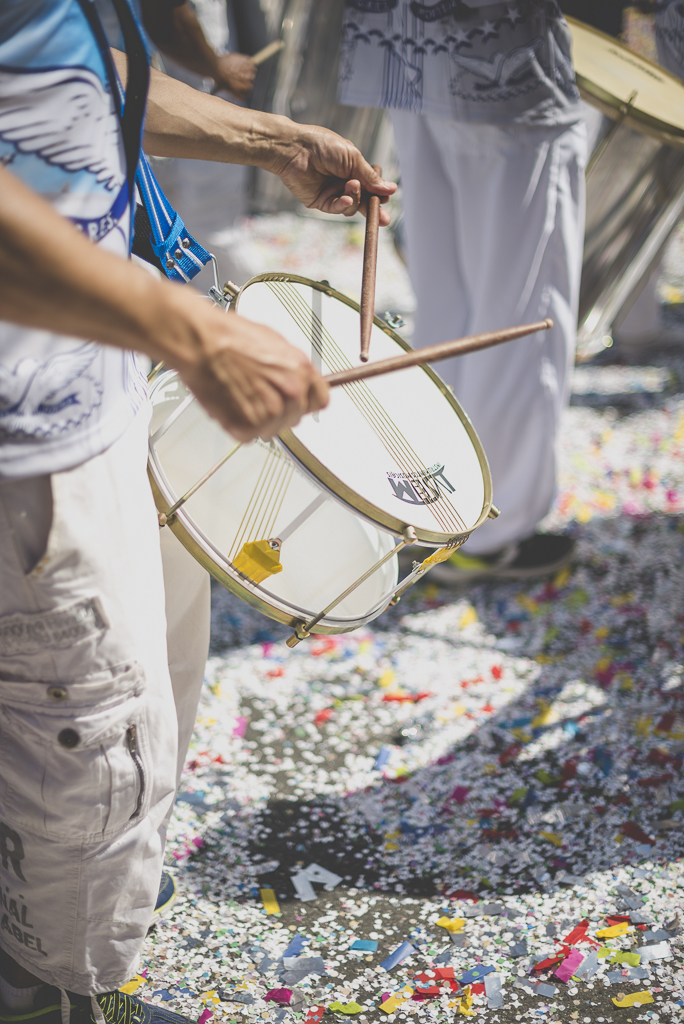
(307, 527)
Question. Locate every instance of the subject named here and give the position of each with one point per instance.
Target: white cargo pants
(89, 732)
(495, 229)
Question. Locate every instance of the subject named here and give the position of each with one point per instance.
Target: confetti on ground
(530, 793)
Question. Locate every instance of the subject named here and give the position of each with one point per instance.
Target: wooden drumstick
(267, 52)
(432, 354)
(370, 263)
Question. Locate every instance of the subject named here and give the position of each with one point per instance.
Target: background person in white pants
(492, 150)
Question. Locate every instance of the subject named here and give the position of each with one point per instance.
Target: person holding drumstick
(492, 148)
(88, 726)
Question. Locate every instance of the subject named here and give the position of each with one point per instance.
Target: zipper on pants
(132, 744)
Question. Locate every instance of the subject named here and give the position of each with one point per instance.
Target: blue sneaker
(167, 896)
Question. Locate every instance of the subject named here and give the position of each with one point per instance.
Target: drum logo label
(421, 488)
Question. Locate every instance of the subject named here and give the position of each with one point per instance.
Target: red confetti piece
(656, 780)
(463, 894)
(497, 671)
(631, 829)
(324, 716)
(550, 961)
(510, 754)
(405, 698)
(666, 722)
(314, 1014)
(578, 933)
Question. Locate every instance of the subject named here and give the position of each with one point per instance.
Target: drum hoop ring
(612, 106)
(323, 477)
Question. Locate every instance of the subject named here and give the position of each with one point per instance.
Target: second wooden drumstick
(370, 264)
(433, 353)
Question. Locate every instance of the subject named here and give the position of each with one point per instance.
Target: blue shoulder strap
(179, 255)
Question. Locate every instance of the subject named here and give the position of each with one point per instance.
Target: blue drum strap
(179, 255)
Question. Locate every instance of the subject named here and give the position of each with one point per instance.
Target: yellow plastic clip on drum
(307, 527)
(635, 177)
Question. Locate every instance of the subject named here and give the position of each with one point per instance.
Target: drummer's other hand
(235, 72)
(244, 374)
(326, 172)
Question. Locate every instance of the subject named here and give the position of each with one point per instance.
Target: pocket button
(69, 738)
(57, 692)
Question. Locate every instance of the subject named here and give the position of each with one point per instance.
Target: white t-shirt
(62, 400)
(470, 60)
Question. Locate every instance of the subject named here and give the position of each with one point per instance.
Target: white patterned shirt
(470, 60)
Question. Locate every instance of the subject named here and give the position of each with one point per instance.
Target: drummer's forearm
(184, 122)
(54, 279)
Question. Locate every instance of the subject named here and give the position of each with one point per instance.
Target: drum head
(398, 449)
(259, 493)
(609, 74)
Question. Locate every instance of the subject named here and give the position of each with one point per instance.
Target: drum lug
(394, 320)
(494, 512)
(299, 634)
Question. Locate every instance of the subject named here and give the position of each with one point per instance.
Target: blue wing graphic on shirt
(66, 118)
(42, 397)
(502, 67)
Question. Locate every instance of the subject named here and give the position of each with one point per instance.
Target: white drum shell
(331, 549)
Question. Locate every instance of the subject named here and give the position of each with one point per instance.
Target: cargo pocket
(74, 757)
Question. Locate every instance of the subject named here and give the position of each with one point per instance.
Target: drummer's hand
(244, 374)
(326, 172)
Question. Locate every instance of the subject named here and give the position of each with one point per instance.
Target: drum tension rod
(166, 518)
(303, 629)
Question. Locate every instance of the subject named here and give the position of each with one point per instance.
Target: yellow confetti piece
(546, 714)
(629, 958)
(468, 618)
(210, 997)
(465, 1002)
(522, 735)
(455, 924)
(133, 985)
(562, 577)
(268, 898)
(633, 998)
(625, 682)
(395, 1001)
(642, 726)
(552, 837)
(387, 677)
(613, 931)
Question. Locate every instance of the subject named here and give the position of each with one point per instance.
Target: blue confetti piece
(475, 974)
(399, 954)
(603, 760)
(369, 945)
(164, 993)
(382, 758)
(296, 946)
